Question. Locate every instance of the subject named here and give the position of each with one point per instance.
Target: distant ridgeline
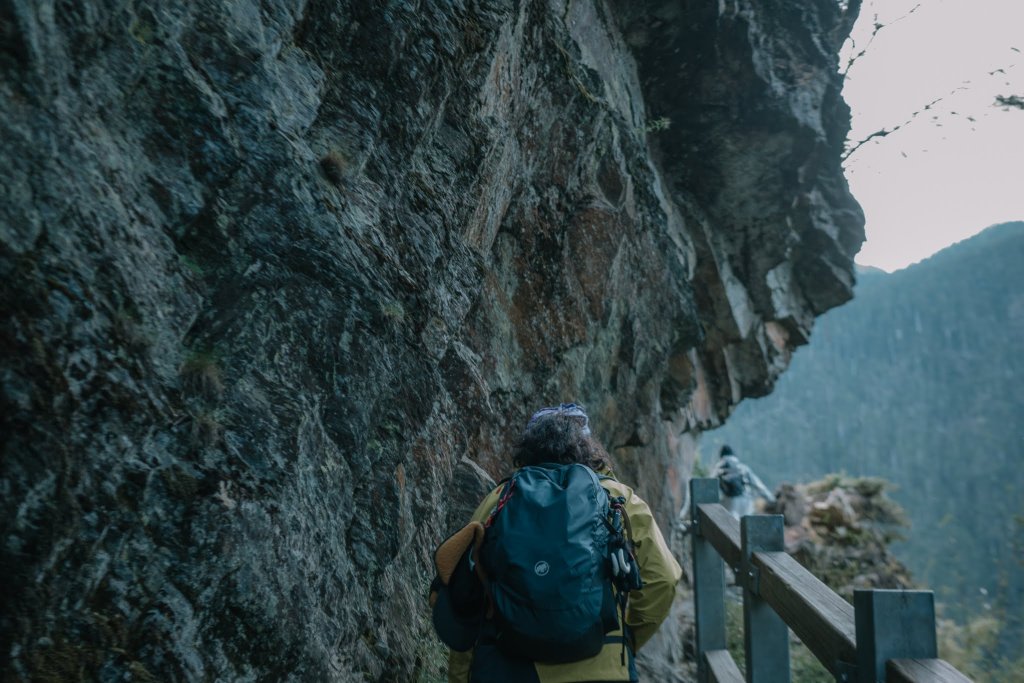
(919, 380)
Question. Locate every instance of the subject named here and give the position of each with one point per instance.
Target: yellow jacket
(647, 607)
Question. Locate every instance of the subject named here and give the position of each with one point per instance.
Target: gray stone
(274, 271)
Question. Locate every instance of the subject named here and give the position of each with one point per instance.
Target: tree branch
(878, 26)
(1008, 101)
(889, 131)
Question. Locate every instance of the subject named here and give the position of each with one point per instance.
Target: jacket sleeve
(659, 570)
(459, 662)
(760, 487)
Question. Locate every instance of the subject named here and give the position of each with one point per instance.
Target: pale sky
(937, 180)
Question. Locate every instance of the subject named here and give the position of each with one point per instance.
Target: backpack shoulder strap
(508, 485)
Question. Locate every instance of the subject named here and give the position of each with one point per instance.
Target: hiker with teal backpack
(738, 484)
(562, 573)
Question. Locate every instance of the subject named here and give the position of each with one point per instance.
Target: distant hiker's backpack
(731, 482)
(554, 545)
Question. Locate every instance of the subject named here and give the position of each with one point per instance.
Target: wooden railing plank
(826, 623)
(722, 668)
(723, 530)
(818, 616)
(922, 671)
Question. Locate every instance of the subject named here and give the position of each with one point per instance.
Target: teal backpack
(555, 546)
(731, 482)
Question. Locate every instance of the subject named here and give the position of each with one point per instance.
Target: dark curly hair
(559, 439)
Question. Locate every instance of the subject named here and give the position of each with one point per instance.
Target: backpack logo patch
(541, 568)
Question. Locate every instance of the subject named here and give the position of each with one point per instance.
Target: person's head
(559, 434)
(729, 462)
(724, 451)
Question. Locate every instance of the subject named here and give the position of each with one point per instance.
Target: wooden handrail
(885, 621)
(922, 671)
(722, 668)
(723, 530)
(818, 616)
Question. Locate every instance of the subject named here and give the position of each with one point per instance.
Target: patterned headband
(568, 409)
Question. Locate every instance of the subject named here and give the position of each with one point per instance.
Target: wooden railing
(886, 635)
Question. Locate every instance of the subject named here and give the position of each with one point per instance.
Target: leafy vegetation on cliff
(919, 381)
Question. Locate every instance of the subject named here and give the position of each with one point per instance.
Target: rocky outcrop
(282, 278)
(840, 529)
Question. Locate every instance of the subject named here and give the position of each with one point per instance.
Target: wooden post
(708, 580)
(892, 624)
(765, 634)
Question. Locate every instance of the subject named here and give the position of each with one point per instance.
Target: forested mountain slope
(919, 380)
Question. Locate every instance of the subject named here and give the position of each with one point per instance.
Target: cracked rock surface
(281, 279)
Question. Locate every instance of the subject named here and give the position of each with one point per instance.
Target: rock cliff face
(281, 279)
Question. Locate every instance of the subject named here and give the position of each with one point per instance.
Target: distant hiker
(738, 484)
(537, 586)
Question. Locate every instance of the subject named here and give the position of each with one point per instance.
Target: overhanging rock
(282, 279)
